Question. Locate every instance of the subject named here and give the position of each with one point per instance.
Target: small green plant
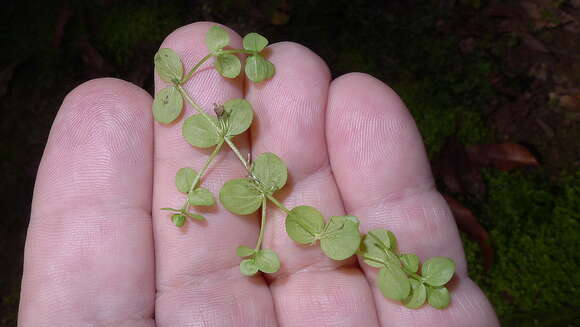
(339, 237)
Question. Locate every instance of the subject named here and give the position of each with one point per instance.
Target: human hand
(99, 252)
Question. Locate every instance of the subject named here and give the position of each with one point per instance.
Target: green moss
(9, 309)
(438, 121)
(129, 26)
(534, 225)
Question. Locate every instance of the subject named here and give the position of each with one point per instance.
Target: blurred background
(493, 85)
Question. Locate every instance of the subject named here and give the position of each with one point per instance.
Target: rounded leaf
(257, 68)
(239, 115)
(437, 271)
(199, 132)
(304, 223)
(167, 105)
(382, 238)
(184, 178)
(438, 297)
(341, 238)
(195, 216)
(410, 261)
(168, 65)
(228, 65)
(418, 295)
(270, 69)
(241, 196)
(178, 219)
(248, 267)
(201, 197)
(372, 254)
(254, 42)
(216, 38)
(267, 261)
(244, 251)
(393, 283)
(270, 171)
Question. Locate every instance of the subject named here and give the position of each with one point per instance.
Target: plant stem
(238, 154)
(239, 51)
(262, 224)
(278, 204)
(410, 273)
(197, 107)
(212, 156)
(195, 68)
(202, 172)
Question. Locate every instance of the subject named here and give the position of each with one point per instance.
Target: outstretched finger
(89, 249)
(379, 162)
(310, 288)
(198, 278)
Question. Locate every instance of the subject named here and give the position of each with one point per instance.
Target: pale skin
(99, 252)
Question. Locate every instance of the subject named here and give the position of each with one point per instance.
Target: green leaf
(239, 115)
(168, 66)
(201, 197)
(167, 105)
(228, 65)
(341, 237)
(418, 295)
(375, 248)
(258, 69)
(383, 238)
(270, 171)
(304, 224)
(184, 178)
(410, 261)
(254, 42)
(248, 267)
(216, 38)
(270, 69)
(437, 271)
(244, 251)
(199, 132)
(438, 297)
(195, 216)
(372, 256)
(178, 219)
(241, 196)
(393, 283)
(267, 261)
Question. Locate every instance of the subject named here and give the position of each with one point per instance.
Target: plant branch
(197, 107)
(195, 68)
(203, 170)
(278, 204)
(262, 224)
(238, 154)
(233, 51)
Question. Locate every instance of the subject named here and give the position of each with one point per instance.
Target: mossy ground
(532, 215)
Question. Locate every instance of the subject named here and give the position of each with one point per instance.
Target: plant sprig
(401, 276)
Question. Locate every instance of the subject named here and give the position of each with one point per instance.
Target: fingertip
(374, 144)
(194, 34)
(366, 92)
(295, 62)
(189, 43)
(102, 121)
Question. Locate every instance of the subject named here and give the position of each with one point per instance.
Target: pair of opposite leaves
(398, 278)
(168, 102)
(339, 238)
